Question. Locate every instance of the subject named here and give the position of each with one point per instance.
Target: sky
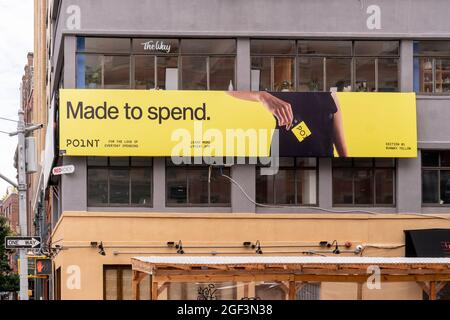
(16, 40)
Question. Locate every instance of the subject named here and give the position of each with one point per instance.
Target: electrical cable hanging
(321, 209)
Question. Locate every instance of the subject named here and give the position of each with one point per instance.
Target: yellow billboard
(236, 124)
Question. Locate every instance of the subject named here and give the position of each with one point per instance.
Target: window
(309, 291)
(432, 67)
(201, 291)
(117, 283)
(436, 177)
(273, 65)
(364, 182)
(323, 65)
(156, 63)
(294, 184)
(96, 71)
(119, 181)
(196, 185)
(208, 64)
(168, 64)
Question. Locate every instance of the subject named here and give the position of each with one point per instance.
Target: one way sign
(22, 242)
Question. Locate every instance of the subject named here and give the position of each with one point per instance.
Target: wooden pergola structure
(432, 274)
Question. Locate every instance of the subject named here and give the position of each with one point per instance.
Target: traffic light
(43, 267)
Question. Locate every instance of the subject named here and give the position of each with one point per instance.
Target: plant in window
(314, 85)
(93, 76)
(284, 86)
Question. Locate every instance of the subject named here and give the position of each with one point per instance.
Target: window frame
(432, 57)
(192, 167)
(179, 54)
(438, 168)
(373, 170)
(296, 168)
(108, 167)
(353, 57)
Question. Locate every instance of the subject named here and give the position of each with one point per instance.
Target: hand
(282, 110)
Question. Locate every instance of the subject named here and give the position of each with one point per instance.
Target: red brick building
(10, 210)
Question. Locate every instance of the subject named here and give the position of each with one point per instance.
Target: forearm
(245, 95)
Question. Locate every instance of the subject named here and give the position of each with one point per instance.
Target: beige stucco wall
(130, 230)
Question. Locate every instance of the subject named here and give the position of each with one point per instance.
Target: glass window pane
(365, 74)
(310, 73)
(387, 75)
(193, 73)
(445, 158)
(144, 72)
(269, 291)
(208, 46)
(97, 187)
(430, 158)
(306, 162)
(141, 186)
(324, 47)
(111, 284)
(338, 73)
(283, 74)
(442, 80)
(436, 48)
(127, 293)
(376, 48)
(119, 161)
(198, 185)
(117, 72)
(363, 162)
(89, 71)
(430, 187)
(261, 74)
(220, 188)
(343, 186)
(306, 187)
(272, 47)
(119, 186)
(103, 45)
(155, 46)
(445, 186)
(221, 73)
(168, 73)
(97, 161)
(384, 186)
(342, 162)
(285, 187)
(141, 161)
(264, 188)
(287, 162)
(384, 162)
(363, 187)
(176, 185)
(425, 71)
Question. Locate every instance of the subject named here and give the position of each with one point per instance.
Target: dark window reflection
(363, 182)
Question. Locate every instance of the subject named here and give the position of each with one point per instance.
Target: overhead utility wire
(321, 209)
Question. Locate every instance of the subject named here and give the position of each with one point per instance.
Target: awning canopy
(427, 243)
(290, 269)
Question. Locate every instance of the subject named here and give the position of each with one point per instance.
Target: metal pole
(22, 179)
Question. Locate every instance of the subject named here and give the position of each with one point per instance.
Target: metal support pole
(22, 179)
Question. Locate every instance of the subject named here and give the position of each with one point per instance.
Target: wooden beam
(164, 286)
(433, 292)
(359, 291)
(292, 291)
(255, 276)
(135, 284)
(155, 292)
